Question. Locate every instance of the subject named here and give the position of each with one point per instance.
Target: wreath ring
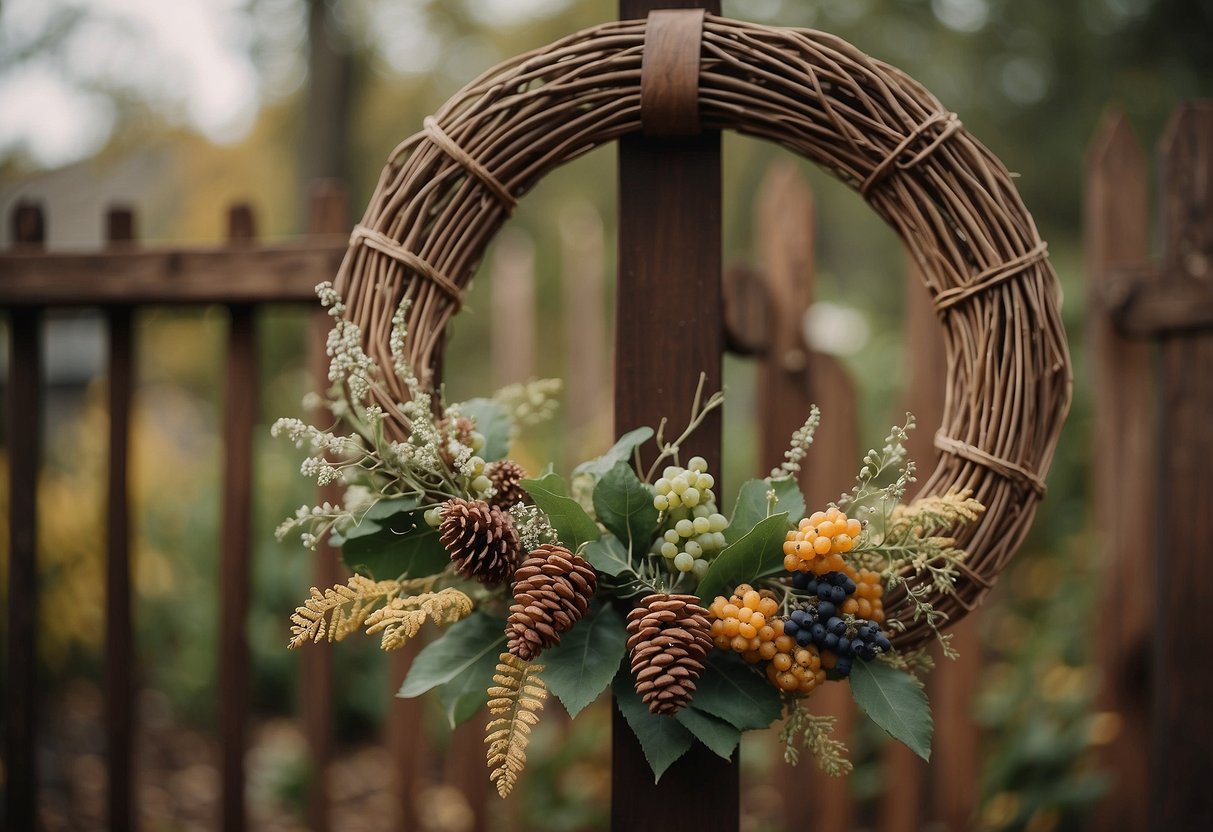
(446, 191)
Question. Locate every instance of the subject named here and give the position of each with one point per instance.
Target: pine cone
(669, 636)
(552, 591)
(506, 477)
(463, 428)
(481, 540)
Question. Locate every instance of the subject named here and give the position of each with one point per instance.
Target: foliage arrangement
(628, 576)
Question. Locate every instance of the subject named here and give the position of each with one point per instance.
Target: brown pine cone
(506, 477)
(481, 540)
(669, 636)
(552, 591)
(463, 429)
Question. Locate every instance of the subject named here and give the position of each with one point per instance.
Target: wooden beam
(274, 273)
(668, 329)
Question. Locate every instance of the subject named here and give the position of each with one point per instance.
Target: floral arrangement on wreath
(628, 576)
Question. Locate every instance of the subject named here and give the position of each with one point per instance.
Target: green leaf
(729, 689)
(493, 423)
(625, 506)
(751, 506)
(621, 451)
(895, 702)
(608, 556)
(464, 645)
(404, 545)
(746, 559)
(389, 506)
(467, 693)
(585, 661)
(573, 526)
(662, 739)
(718, 735)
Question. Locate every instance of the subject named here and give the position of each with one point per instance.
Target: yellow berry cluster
(797, 669)
(867, 601)
(819, 542)
(745, 623)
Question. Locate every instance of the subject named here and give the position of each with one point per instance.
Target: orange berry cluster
(867, 601)
(797, 669)
(820, 541)
(745, 623)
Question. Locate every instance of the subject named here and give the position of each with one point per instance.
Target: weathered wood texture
(1183, 679)
(24, 438)
(1122, 461)
(266, 273)
(668, 305)
(121, 691)
(239, 419)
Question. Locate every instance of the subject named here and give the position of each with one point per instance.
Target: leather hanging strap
(669, 72)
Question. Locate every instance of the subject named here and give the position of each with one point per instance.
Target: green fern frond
(516, 700)
(339, 610)
(814, 734)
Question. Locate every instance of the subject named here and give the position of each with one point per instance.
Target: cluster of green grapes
(692, 529)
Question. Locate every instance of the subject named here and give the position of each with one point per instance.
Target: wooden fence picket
(1116, 236)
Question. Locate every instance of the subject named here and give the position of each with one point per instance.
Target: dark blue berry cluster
(817, 621)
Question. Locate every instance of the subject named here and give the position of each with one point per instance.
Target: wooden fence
(1129, 304)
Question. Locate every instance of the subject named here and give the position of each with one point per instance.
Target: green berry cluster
(692, 529)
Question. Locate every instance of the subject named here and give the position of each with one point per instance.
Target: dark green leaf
(662, 738)
(718, 735)
(585, 661)
(895, 702)
(404, 545)
(625, 506)
(621, 451)
(751, 505)
(573, 526)
(466, 694)
(729, 689)
(608, 556)
(492, 423)
(464, 645)
(746, 559)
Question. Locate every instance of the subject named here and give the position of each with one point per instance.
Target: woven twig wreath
(447, 190)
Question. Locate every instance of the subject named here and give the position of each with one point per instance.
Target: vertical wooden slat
(955, 767)
(791, 380)
(24, 458)
(405, 736)
(328, 213)
(1183, 683)
(512, 285)
(668, 330)
(239, 416)
(1122, 459)
(120, 689)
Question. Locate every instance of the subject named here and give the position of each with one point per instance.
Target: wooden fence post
(24, 460)
(328, 213)
(121, 690)
(1116, 236)
(239, 417)
(668, 329)
(1183, 526)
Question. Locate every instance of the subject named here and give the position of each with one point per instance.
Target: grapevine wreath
(629, 575)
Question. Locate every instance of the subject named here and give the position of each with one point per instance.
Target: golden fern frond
(339, 610)
(516, 700)
(402, 618)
